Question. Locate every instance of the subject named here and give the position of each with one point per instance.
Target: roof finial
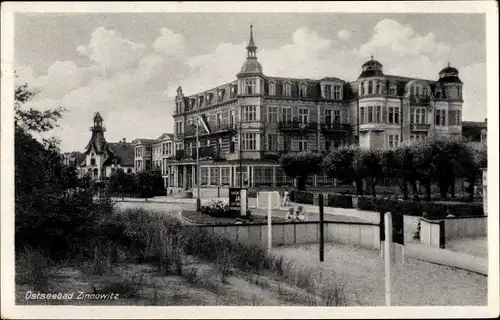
(251, 47)
(372, 57)
(448, 64)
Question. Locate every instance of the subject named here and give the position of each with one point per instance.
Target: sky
(127, 66)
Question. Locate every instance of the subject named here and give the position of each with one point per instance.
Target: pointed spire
(251, 47)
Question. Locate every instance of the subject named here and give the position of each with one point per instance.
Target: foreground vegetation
(67, 239)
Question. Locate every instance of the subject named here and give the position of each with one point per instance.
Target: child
(300, 214)
(290, 216)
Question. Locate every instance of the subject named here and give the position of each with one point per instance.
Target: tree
(419, 165)
(117, 182)
(301, 165)
(145, 184)
(343, 163)
(368, 165)
(158, 185)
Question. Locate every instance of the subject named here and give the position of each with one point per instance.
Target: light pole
(198, 173)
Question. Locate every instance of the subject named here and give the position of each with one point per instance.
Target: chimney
(485, 120)
(124, 140)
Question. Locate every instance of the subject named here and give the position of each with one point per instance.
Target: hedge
(416, 208)
(339, 201)
(303, 197)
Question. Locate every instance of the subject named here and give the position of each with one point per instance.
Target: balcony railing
(419, 127)
(206, 153)
(291, 126)
(190, 131)
(334, 127)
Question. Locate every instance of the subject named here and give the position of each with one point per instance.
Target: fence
(435, 232)
(288, 233)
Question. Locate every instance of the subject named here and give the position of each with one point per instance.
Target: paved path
(447, 257)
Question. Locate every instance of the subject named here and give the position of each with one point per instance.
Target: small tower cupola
(251, 65)
(449, 75)
(371, 68)
(97, 120)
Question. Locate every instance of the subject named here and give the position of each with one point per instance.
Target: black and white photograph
(175, 155)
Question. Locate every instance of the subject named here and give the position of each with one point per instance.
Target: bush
(217, 209)
(415, 208)
(339, 201)
(303, 197)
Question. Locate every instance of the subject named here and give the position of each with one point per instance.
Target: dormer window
(337, 92)
(233, 90)
(272, 88)
(200, 98)
(287, 89)
(303, 90)
(439, 93)
(193, 102)
(393, 90)
(209, 98)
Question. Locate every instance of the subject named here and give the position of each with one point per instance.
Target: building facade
(475, 131)
(245, 125)
(102, 158)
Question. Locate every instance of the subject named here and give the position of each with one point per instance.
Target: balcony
(335, 127)
(223, 128)
(297, 126)
(206, 153)
(420, 127)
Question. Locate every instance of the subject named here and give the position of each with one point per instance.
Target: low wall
(435, 232)
(458, 227)
(288, 233)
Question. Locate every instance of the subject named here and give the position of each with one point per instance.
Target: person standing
(286, 199)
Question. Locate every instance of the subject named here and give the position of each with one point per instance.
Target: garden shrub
(416, 208)
(339, 201)
(218, 209)
(303, 197)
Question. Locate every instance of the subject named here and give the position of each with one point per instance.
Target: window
(219, 120)
(370, 87)
(303, 90)
(204, 176)
(272, 142)
(370, 114)
(327, 94)
(232, 145)
(378, 88)
(418, 136)
(214, 176)
(225, 172)
(393, 140)
(424, 92)
(392, 90)
(250, 86)
(232, 119)
(328, 116)
(337, 92)
(418, 115)
(362, 88)
(92, 161)
(336, 116)
(304, 115)
(249, 141)
(249, 113)
(272, 88)
(393, 115)
(362, 115)
(272, 114)
(302, 144)
(378, 114)
(440, 118)
(287, 114)
(287, 90)
(438, 93)
(455, 118)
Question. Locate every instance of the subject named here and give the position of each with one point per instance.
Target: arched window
(370, 87)
(96, 172)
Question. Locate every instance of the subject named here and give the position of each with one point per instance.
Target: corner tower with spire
(250, 77)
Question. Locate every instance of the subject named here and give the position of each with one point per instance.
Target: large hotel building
(245, 125)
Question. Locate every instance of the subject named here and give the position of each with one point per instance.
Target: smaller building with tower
(102, 158)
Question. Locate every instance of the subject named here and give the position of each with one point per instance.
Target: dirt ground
(416, 283)
(473, 246)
